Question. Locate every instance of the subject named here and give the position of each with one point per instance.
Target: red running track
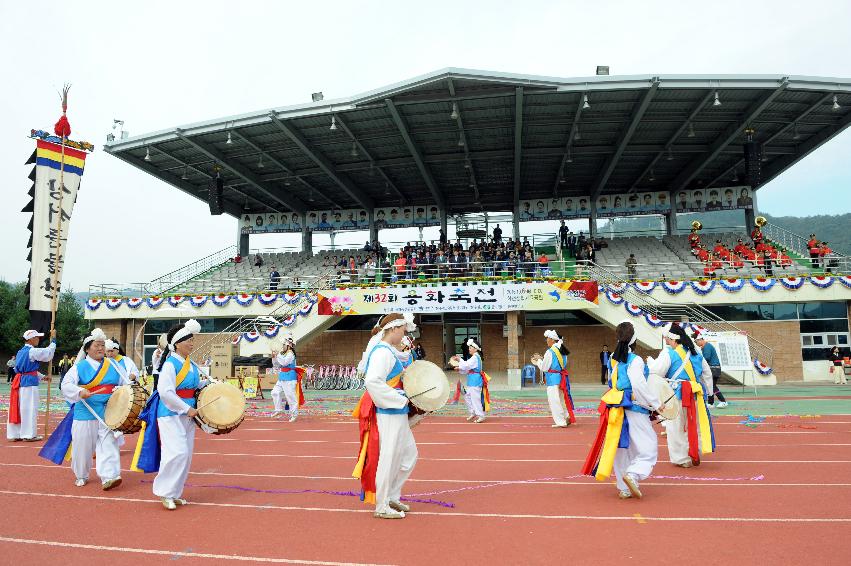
(776, 493)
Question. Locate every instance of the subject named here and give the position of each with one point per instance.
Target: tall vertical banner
(56, 177)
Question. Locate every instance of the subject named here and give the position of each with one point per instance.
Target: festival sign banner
(432, 298)
(58, 165)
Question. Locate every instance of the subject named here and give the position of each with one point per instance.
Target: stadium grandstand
(457, 152)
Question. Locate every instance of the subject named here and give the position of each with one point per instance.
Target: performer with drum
(113, 350)
(288, 385)
(690, 433)
(626, 441)
(554, 367)
(169, 432)
(388, 451)
(476, 396)
(88, 385)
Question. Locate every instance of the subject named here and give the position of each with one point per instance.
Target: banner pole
(59, 263)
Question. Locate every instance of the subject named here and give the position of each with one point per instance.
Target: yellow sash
(702, 413)
(102, 371)
(184, 371)
(557, 353)
(118, 357)
(613, 396)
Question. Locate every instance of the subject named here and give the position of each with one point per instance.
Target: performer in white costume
(383, 418)
(553, 366)
(472, 368)
(22, 421)
(90, 381)
(285, 388)
(131, 370)
(682, 364)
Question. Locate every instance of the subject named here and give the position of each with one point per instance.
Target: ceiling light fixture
(461, 140)
(670, 154)
(835, 103)
(147, 154)
(230, 141)
(185, 175)
(578, 134)
(354, 152)
(454, 114)
(652, 176)
(387, 188)
(569, 156)
(796, 135)
(287, 181)
(690, 129)
(717, 100)
(585, 104)
(260, 162)
(333, 123)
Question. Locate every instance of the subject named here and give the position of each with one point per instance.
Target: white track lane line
(174, 554)
(452, 513)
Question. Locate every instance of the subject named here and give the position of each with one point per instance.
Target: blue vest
(394, 371)
(288, 373)
(85, 374)
(23, 365)
(474, 378)
(190, 382)
(625, 385)
(554, 378)
(696, 361)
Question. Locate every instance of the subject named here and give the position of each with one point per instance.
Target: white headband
(472, 344)
(552, 335)
(408, 341)
(407, 321)
(666, 332)
(634, 333)
(191, 327)
(97, 334)
(110, 345)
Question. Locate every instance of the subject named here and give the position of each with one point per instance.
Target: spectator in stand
(571, 244)
(824, 252)
(544, 264)
(836, 366)
(785, 260)
(813, 248)
(442, 237)
(352, 269)
(274, 279)
(631, 264)
(10, 369)
(237, 258)
(497, 234)
(64, 365)
(767, 263)
(562, 235)
(456, 264)
(258, 260)
(440, 264)
(369, 270)
(401, 265)
(590, 254)
(711, 357)
(367, 247)
(604, 364)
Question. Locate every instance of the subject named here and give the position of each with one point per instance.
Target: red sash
(185, 393)
(597, 446)
(691, 422)
(563, 386)
(15, 398)
(103, 390)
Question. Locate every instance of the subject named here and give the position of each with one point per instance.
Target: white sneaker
(558, 426)
(275, 414)
(479, 420)
(624, 494)
(399, 506)
(389, 514)
(632, 484)
(168, 503)
(292, 419)
(471, 417)
(81, 482)
(111, 484)
(721, 405)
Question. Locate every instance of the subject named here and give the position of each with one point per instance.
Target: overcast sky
(164, 64)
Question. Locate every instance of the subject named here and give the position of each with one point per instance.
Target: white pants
(285, 389)
(838, 376)
(473, 400)
(28, 401)
(177, 439)
(678, 438)
(91, 437)
(643, 450)
(396, 458)
(556, 398)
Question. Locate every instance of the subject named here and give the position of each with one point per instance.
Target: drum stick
(115, 433)
(422, 393)
(210, 402)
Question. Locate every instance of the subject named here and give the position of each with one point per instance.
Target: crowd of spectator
(758, 253)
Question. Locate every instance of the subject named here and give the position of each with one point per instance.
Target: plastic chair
(528, 372)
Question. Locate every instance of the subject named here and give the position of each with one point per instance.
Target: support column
(515, 223)
(592, 219)
(670, 223)
(513, 365)
(751, 214)
(306, 240)
(241, 242)
(332, 235)
(373, 230)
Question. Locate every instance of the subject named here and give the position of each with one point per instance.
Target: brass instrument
(696, 225)
(760, 221)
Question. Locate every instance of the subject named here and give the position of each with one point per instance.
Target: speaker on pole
(215, 187)
(753, 164)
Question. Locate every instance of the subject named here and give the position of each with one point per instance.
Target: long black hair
(562, 348)
(624, 333)
(684, 338)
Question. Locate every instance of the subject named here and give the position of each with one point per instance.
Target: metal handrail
(164, 283)
(789, 240)
(681, 312)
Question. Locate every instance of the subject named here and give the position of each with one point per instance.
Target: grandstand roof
(478, 140)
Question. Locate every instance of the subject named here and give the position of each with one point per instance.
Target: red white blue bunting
(792, 282)
(291, 298)
(135, 302)
(632, 309)
(175, 300)
(267, 298)
(821, 281)
(703, 287)
(289, 321)
(614, 298)
(845, 280)
(94, 304)
(251, 336)
(244, 299)
(221, 300)
(154, 302)
(235, 340)
(645, 286)
(761, 367)
(732, 285)
(113, 304)
(762, 284)
(305, 308)
(618, 287)
(674, 287)
(272, 331)
(653, 320)
(198, 300)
